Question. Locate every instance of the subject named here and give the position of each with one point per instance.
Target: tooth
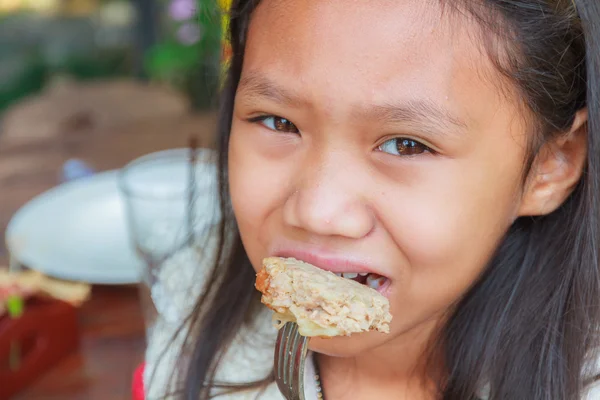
(350, 275)
(363, 273)
(375, 281)
(339, 274)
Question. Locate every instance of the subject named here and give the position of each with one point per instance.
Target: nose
(329, 200)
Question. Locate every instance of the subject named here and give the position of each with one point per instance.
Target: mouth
(352, 268)
(372, 280)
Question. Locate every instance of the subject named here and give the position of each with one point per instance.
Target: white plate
(76, 231)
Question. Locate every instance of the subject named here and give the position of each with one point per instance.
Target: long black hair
(528, 328)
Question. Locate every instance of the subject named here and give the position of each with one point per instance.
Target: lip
(327, 261)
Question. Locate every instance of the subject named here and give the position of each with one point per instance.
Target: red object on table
(137, 387)
(45, 333)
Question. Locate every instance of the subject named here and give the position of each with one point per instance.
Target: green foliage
(191, 68)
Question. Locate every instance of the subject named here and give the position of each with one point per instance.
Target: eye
(277, 124)
(403, 147)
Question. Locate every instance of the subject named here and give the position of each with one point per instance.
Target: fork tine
(287, 355)
(300, 347)
(292, 345)
(280, 363)
(279, 352)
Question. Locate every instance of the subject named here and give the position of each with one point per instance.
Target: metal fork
(290, 355)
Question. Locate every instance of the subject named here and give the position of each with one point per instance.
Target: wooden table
(111, 323)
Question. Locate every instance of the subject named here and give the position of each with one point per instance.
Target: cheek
(448, 229)
(248, 187)
(256, 186)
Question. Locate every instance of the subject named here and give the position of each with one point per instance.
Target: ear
(556, 170)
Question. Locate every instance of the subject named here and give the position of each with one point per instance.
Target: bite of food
(322, 303)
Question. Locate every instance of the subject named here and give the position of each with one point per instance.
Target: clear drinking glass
(171, 205)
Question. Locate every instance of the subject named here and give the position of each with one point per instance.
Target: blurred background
(86, 88)
(45, 42)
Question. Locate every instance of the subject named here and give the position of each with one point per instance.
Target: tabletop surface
(112, 328)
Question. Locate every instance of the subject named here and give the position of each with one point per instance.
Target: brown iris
(284, 125)
(408, 147)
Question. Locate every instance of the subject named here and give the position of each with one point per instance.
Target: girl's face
(375, 137)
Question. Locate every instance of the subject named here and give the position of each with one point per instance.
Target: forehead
(371, 51)
(359, 30)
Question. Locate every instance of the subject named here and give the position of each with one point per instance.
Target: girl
(451, 147)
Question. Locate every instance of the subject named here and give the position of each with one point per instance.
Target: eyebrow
(254, 84)
(428, 115)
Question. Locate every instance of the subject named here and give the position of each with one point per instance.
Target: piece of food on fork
(321, 303)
